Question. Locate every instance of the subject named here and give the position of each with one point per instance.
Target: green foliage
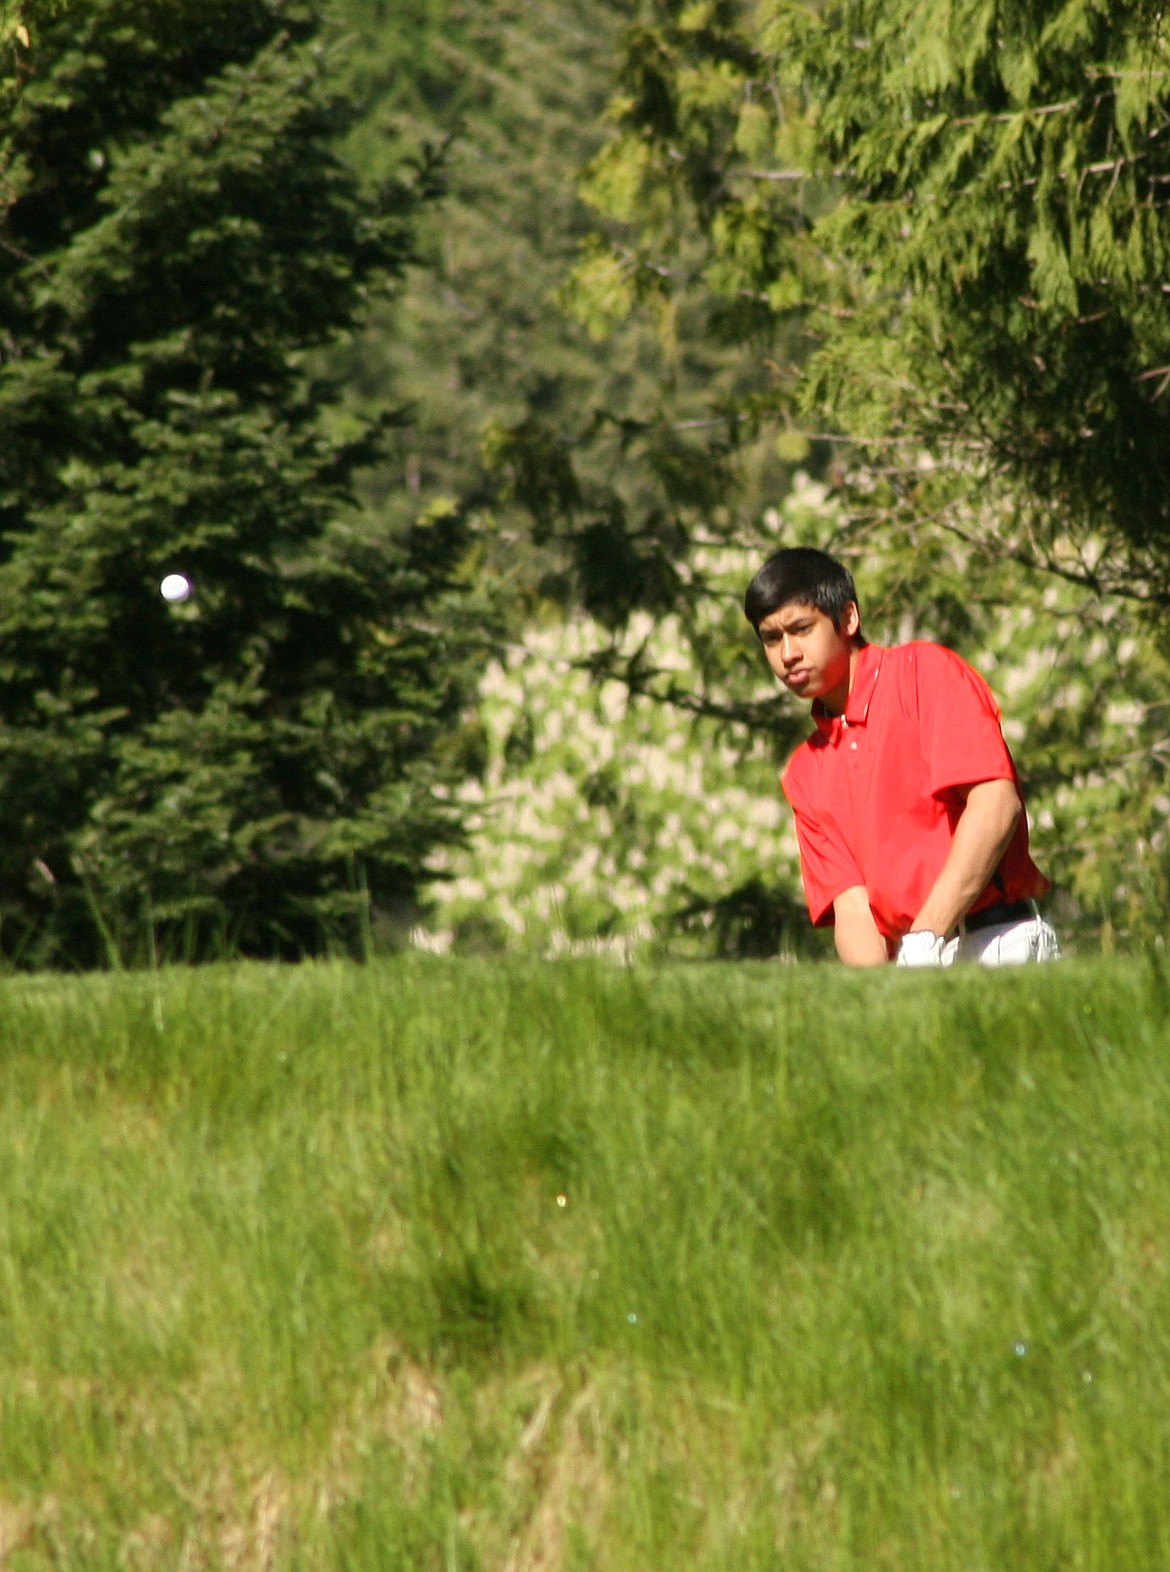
(179, 241)
(412, 1264)
(512, 94)
(532, 395)
(1004, 216)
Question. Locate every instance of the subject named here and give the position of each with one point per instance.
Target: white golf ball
(176, 588)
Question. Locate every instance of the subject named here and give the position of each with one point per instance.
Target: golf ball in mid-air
(176, 588)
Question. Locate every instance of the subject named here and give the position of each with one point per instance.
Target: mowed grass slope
(453, 1265)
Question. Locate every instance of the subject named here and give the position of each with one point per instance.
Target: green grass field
(454, 1264)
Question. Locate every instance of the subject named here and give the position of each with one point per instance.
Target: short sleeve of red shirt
(827, 866)
(962, 739)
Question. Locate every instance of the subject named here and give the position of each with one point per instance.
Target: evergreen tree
(513, 95)
(1003, 173)
(258, 764)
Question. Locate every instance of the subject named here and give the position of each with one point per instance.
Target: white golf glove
(921, 949)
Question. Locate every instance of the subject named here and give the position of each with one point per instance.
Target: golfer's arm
(982, 835)
(859, 943)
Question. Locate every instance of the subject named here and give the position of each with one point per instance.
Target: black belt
(1002, 911)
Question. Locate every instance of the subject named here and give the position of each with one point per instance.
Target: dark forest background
(467, 359)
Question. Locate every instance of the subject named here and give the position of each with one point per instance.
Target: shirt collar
(861, 691)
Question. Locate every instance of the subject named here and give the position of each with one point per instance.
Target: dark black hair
(802, 575)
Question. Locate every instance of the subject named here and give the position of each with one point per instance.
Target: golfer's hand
(921, 949)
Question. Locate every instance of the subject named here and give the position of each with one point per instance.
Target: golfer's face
(809, 655)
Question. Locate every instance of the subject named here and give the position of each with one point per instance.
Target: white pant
(1005, 944)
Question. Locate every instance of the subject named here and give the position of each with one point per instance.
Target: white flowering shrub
(1085, 688)
(619, 821)
(602, 818)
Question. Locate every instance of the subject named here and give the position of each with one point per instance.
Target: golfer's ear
(850, 619)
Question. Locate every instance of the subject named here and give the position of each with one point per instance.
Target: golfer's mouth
(798, 679)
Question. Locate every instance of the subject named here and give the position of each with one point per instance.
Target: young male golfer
(913, 838)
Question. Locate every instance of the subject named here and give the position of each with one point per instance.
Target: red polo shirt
(875, 792)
